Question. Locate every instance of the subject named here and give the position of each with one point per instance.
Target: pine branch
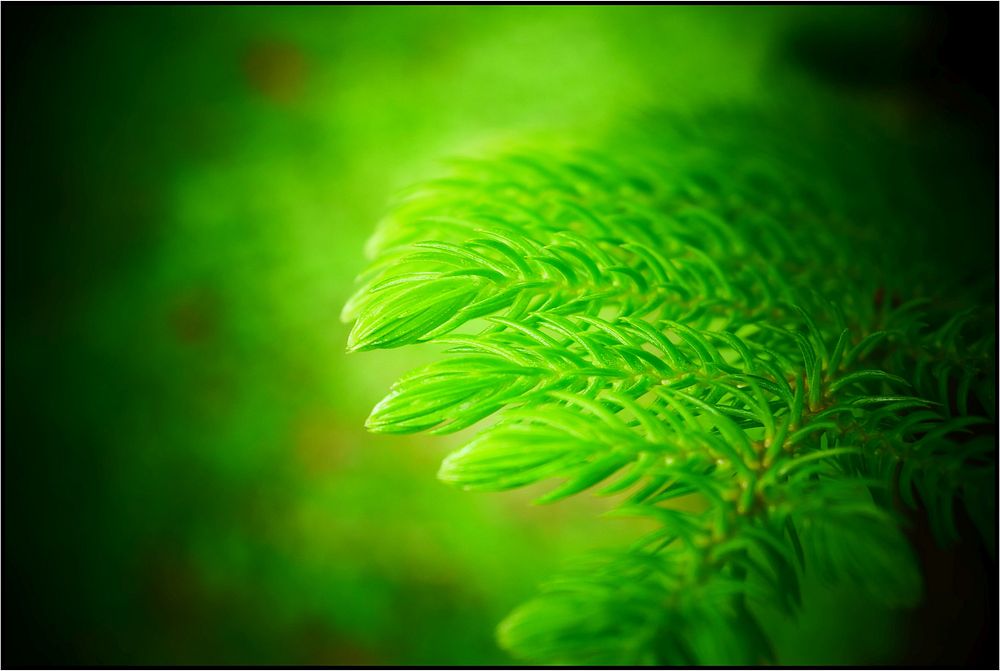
(670, 321)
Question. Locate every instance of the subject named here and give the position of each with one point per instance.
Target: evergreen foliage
(729, 325)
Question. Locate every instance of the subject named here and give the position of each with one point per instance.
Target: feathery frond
(692, 315)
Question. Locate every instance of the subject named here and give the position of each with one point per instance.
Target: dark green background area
(186, 195)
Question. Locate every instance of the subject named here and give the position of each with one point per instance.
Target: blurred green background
(187, 192)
